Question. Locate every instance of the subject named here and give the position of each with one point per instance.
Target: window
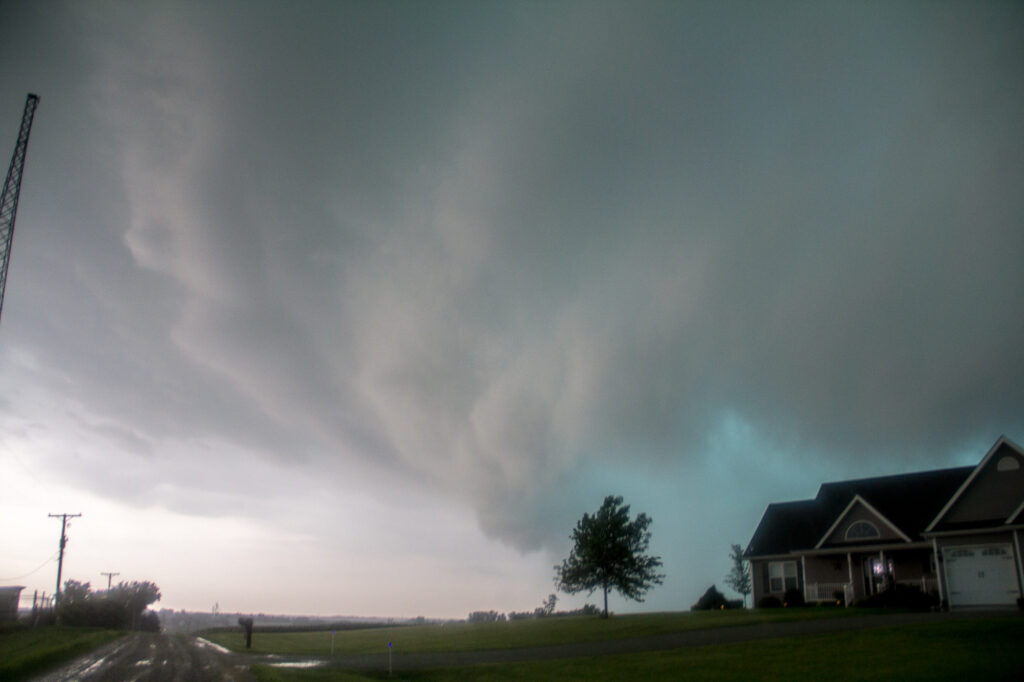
(861, 530)
(1008, 463)
(781, 576)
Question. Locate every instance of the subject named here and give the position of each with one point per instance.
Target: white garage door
(981, 575)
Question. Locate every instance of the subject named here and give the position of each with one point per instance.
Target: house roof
(908, 501)
(786, 526)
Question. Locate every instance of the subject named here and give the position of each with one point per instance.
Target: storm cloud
(506, 253)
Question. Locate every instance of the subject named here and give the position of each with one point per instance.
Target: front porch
(851, 576)
(845, 592)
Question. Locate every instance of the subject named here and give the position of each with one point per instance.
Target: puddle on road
(207, 643)
(297, 664)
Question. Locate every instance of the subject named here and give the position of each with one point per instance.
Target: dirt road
(155, 658)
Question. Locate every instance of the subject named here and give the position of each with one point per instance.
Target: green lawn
(26, 651)
(512, 635)
(959, 650)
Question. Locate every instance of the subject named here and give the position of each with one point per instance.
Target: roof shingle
(909, 501)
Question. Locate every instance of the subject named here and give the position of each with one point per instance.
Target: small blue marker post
(389, 659)
(333, 632)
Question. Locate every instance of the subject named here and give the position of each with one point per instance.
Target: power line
(19, 577)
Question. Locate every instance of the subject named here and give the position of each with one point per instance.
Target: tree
(76, 603)
(123, 606)
(609, 552)
(548, 608)
(132, 599)
(739, 577)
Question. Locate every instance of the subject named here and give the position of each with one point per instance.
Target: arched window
(1008, 463)
(861, 530)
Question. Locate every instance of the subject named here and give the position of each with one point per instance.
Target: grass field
(26, 651)
(511, 635)
(974, 649)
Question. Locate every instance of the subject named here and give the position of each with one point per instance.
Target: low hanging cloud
(487, 264)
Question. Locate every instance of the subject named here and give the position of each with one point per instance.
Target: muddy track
(155, 658)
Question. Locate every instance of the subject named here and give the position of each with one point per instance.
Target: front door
(877, 574)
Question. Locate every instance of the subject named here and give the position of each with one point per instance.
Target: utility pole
(63, 542)
(109, 576)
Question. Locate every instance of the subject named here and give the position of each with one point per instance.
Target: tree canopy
(739, 577)
(609, 552)
(123, 606)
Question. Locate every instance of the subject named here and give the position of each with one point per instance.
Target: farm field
(25, 651)
(511, 635)
(982, 648)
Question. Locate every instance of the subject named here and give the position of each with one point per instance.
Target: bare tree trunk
(605, 586)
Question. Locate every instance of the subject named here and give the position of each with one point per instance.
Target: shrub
(769, 602)
(901, 597)
(712, 599)
(793, 597)
(715, 600)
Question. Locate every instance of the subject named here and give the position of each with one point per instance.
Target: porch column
(849, 567)
(803, 565)
(940, 572)
(1020, 562)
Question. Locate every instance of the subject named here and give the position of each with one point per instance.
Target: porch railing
(925, 584)
(825, 592)
(815, 592)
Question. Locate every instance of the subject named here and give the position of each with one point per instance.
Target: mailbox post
(247, 624)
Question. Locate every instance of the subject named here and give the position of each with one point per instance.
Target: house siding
(993, 494)
(830, 569)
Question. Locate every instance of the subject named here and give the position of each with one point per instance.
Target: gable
(861, 523)
(992, 493)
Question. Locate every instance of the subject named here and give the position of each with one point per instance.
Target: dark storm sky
(364, 293)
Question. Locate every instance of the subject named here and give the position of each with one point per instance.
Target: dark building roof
(909, 501)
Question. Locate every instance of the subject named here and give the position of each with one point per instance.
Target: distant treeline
(495, 617)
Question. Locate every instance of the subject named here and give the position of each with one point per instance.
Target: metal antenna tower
(12, 187)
